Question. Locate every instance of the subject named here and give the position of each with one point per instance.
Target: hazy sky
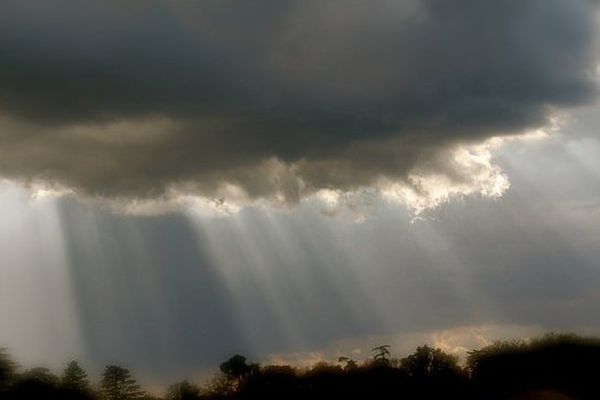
(294, 179)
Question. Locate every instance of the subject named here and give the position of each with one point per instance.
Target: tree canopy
(117, 384)
(554, 366)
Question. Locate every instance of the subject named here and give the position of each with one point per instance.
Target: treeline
(551, 367)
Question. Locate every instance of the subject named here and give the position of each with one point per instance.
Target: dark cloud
(280, 98)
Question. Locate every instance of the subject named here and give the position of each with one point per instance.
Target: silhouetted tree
(427, 362)
(220, 386)
(554, 366)
(272, 382)
(434, 374)
(561, 365)
(7, 371)
(508, 346)
(381, 354)
(349, 363)
(36, 383)
(237, 369)
(117, 384)
(183, 390)
(75, 379)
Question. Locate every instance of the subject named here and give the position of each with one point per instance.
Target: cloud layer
(279, 99)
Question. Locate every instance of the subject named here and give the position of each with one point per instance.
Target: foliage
(117, 384)
(382, 354)
(219, 386)
(7, 371)
(563, 366)
(428, 362)
(236, 367)
(36, 383)
(75, 378)
(349, 363)
(567, 364)
(183, 390)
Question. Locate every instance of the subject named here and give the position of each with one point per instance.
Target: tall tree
(237, 369)
(75, 378)
(7, 371)
(427, 362)
(117, 384)
(381, 354)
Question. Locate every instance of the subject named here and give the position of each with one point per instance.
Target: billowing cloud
(279, 100)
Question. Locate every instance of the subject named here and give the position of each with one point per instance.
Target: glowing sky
(292, 179)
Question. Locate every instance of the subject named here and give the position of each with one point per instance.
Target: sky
(294, 180)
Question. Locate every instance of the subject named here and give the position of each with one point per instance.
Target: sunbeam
(38, 309)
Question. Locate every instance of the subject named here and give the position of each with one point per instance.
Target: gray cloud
(277, 97)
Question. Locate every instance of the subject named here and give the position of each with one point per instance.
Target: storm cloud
(280, 99)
